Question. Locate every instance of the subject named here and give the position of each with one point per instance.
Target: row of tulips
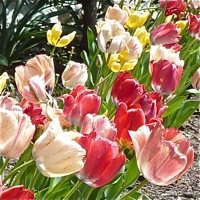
(106, 128)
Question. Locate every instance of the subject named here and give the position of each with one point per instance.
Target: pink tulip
(16, 193)
(102, 126)
(35, 79)
(166, 76)
(194, 26)
(116, 13)
(103, 160)
(80, 102)
(166, 34)
(126, 89)
(173, 7)
(127, 119)
(196, 80)
(163, 155)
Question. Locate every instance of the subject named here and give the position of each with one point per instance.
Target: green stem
(131, 192)
(69, 194)
(52, 52)
(17, 169)
(34, 178)
(17, 178)
(4, 165)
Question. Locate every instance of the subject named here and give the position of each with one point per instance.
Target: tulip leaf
(3, 60)
(138, 195)
(132, 172)
(183, 113)
(174, 104)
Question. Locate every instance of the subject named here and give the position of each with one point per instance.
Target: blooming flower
(74, 74)
(195, 3)
(3, 79)
(163, 155)
(80, 102)
(116, 13)
(111, 37)
(165, 76)
(100, 124)
(56, 152)
(196, 80)
(194, 26)
(16, 131)
(53, 36)
(126, 89)
(173, 7)
(103, 160)
(16, 192)
(136, 18)
(35, 79)
(166, 34)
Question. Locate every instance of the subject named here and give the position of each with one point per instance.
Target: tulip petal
(65, 40)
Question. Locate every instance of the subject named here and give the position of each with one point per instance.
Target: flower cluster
(109, 117)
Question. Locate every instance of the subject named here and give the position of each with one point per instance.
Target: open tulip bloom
(109, 117)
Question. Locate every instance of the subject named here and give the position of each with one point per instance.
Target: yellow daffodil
(142, 35)
(55, 39)
(136, 18)
(3, 79)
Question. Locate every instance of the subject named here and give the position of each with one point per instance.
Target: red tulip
(126, 89)
(167, 35)
(16, 193)
(103, 160)
(194, 26)
(173, 7)
(79, 103)
(166, 76)
(125, 120)
(163, 155)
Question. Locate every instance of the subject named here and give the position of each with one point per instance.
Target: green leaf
(3, 60)
(174, 104)
(138, 195)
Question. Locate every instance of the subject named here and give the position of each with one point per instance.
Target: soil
(188, 187)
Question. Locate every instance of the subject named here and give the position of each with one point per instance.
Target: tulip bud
(53, 36)
(166, 76)
(163, 155)
(166, 34)
(196, 80)
(3, 79)
(116, 13)
(136, 18)
(74, 74)
(56, 153)
(80, 102)
(103, 160)
(16, 132)
(194, 26)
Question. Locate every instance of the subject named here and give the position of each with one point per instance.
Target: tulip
(56, 152)
(80, 102)
(136, 18)
(3, 79)
(9, 103)
(53, 36)
(16, 132)
(16, 193)
(142, 35)
(194, 26)
(173, 7)
(196, 80)
(159, 52)
(116, 13)
(100, 124)
(103, 160)
(74, 74)
(126, 89)
(195, 3)
(166, 76)
(35, 79)
(111, 37)
(163, 155)
(166, 34)
(127, 119)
